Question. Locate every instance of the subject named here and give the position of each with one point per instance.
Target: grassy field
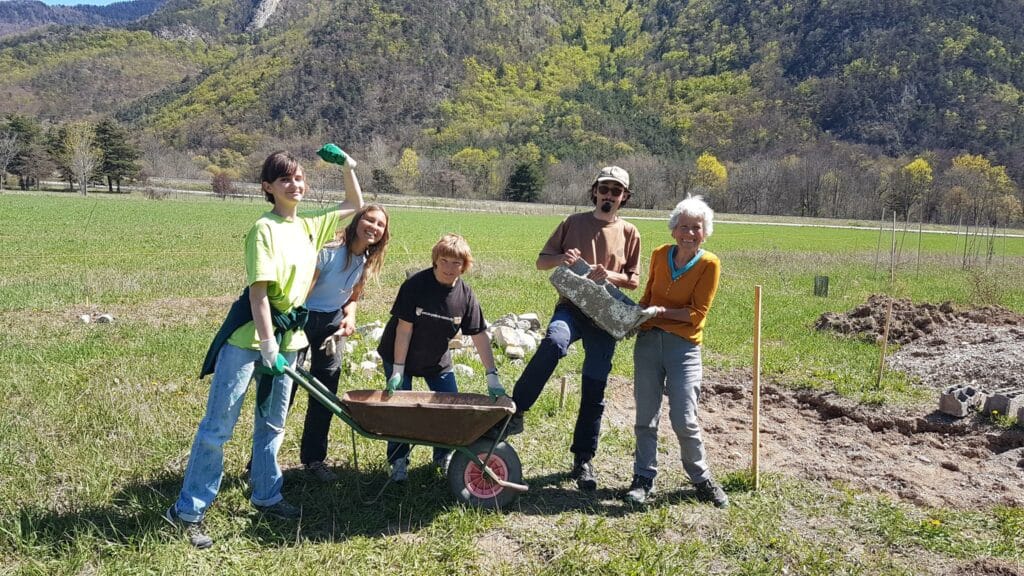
(98, 418)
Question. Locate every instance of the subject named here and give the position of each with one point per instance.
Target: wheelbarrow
(485, 471)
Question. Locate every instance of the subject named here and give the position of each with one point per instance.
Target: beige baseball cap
(615, 174)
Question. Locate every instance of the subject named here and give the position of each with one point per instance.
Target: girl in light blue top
(341, 271)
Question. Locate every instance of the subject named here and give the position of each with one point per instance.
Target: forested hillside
(826, 108)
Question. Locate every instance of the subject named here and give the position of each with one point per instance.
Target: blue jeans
(205, 469)
(666, 364)
(444, 382)
(568, 325)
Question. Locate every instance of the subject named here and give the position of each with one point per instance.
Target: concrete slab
(602, 302)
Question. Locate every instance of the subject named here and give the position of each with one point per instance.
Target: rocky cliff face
(264, 10)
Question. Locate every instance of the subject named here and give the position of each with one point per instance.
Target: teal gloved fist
(395, 381)
(335, 155)
(494, 387)
(272, 359)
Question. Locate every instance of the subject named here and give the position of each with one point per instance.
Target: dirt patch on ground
(915, 454)
(942, 345)
(930, 460)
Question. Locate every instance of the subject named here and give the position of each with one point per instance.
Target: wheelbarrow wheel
(472, 486)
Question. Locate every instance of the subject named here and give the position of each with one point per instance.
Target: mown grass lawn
(98, 418)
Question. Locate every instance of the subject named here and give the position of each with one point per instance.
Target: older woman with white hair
(667, 356)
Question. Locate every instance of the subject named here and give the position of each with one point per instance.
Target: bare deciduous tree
(8, 151)
(80, 146)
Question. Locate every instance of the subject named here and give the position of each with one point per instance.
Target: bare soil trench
(918, 454)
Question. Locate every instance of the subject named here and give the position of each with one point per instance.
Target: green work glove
(494, 387)
(331, 153)
(271, 357)
(396, 380)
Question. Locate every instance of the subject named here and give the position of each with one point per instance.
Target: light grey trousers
(666, 364)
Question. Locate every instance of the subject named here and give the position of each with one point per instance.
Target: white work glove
(270, 354)
(395, 382)
(330, 345)
(494, 388)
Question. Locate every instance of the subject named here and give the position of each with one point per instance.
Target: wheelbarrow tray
(455, 419)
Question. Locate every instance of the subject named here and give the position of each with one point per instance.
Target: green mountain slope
(566, 79)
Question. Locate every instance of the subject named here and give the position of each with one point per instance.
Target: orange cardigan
(694, 290)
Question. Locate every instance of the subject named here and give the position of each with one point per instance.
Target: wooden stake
(561, 392)
(755, 455)
(885, 342)
(892, 252)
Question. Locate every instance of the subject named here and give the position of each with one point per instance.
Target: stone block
(958, 400)
(515, 352)
(462, 371)
(368, 368)
(532, 318)
(1006, 402)
(603, 303)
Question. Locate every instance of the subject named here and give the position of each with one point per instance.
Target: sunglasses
(614, 191)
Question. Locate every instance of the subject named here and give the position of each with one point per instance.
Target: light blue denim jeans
(205, 469)
(666, 364)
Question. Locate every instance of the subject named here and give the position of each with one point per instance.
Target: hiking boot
(282, 510)
(400, 470)
(515, 425)
(321, 472)
(583, 472)
(711, 491)
(193, 530)
(640, 490)
(443, 462)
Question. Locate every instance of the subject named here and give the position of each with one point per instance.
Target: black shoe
(515, 425)
(282, 510)
(640, 490)
(583, 472)
(711, 491)
(194, 530)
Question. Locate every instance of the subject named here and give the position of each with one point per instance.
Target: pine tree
(120, 157)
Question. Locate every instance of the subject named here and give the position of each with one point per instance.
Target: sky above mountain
(78, 2)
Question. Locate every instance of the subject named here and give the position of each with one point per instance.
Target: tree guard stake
(756, 393)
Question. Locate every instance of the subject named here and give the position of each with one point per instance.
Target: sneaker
(443, 463)
(193, 530)
(321, 472)
(583, 472)
(711, 491)
(282, 510)
(400, 470)
(640, 490)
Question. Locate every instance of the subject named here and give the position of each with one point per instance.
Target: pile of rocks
(514, 335)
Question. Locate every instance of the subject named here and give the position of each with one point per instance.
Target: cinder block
(958, 400)
(1006, 402)
(603, 303)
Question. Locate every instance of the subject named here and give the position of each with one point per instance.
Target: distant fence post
(821, 286)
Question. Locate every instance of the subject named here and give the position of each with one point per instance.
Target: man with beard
(611, 246)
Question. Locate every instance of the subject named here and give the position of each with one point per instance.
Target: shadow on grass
(555, 494)
(330, 512)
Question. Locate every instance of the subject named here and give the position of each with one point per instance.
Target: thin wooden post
(885, 342)
(892, 252)
(755, 454)
(561, 392)
(878, 246)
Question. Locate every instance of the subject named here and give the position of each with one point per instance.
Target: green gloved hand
(395, 381)
(335, 155)
(494, 387)
(272, 359)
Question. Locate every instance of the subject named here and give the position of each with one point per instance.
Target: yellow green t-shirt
(283, 254)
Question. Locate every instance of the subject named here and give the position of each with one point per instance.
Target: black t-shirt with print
(436, 312)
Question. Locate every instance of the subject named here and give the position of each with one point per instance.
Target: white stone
(375, 334)
(506, 336)
(528, 343)
(368, 369)
(461, 370)
(368, 328)
(350, 346)
(515, 352)
(373, 356)
(85, 318)
(104, 319)
(532, 318)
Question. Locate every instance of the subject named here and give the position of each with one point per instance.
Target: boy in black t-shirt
(431, 307)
